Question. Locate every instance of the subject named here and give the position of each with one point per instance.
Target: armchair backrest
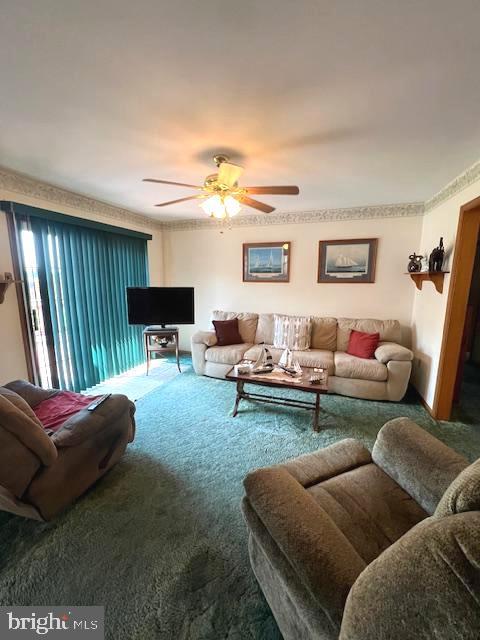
(24, 445)
(17, 418)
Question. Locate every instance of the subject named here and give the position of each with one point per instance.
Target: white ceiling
(357, 102)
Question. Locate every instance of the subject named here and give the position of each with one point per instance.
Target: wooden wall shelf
(436, 277)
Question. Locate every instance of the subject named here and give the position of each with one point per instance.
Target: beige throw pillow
(292, 332)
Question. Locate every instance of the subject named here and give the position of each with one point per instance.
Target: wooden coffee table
(285, 382)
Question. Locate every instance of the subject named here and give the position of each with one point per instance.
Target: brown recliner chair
(348, 545)
(41, 475)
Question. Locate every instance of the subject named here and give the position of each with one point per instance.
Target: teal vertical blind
(87, 272)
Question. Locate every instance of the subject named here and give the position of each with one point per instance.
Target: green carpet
(160, 541)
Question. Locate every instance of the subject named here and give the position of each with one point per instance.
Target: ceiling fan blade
(178, 184)
(255, 204)
(282, 191)
(164, 204)
(229, 173)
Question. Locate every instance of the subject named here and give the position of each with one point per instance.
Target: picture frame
(266, 261)
(347, 261)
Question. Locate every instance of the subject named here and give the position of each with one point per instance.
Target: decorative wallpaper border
(464, 180)
(19, 183)
(302, 217)
(24, 185)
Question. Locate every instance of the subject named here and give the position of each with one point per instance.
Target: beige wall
(211, 261)
(429, 308)
(12, 361)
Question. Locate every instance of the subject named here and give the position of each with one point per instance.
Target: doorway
(457, 371)
(466, 400)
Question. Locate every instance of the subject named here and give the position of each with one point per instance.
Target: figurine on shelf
(415, 263)
(436, 257)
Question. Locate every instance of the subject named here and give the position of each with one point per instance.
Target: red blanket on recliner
(54, 411)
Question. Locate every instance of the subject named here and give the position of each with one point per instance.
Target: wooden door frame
(461, 277)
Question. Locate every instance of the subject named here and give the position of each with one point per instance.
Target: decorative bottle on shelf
(415, 263)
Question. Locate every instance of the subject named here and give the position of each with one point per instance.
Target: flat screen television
(160, 305)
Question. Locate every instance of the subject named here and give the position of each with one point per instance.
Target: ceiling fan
(221, 195)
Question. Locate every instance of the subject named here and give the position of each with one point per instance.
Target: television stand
(159, 339)
(160, 327)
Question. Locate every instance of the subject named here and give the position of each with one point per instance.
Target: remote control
(96, 403)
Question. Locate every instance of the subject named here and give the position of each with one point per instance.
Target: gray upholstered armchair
(40, 475)
(358, 546)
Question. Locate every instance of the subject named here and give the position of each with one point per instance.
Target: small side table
(158, 339)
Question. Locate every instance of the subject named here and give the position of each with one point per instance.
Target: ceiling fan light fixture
(214, 207)
(232, 206)
(221, 207)
(221, 195)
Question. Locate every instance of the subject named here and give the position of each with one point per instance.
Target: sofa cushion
(463, 494)
(312, 358)
(232, 354)
(368, 507)
(324, 333)
(347, 366)
(362, 345)
(424, 587)
(227, 332)
(247, 323)
(292, 332)
(389, 330)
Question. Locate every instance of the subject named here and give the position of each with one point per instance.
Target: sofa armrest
(85, 424)
(387, 351)
(432, 568)
(318, 466)
(322, 557)
(422, 465)
(208, 338)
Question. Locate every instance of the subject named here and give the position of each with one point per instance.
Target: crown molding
(302, 217)
(26, 186)
(464, 180)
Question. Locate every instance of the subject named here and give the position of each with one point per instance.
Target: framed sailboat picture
(347, 260)
(266, 262)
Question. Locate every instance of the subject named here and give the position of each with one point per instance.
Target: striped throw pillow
(292, 332)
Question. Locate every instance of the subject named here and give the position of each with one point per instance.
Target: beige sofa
(384, 377)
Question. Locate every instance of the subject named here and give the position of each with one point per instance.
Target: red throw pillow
(362, 345)
(227, 332)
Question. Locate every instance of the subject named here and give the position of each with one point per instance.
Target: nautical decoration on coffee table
(436, 257)
(264, 363)
(286, 358)
(266, 262)
(347, 260)
(415, 263)
(289, 363)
